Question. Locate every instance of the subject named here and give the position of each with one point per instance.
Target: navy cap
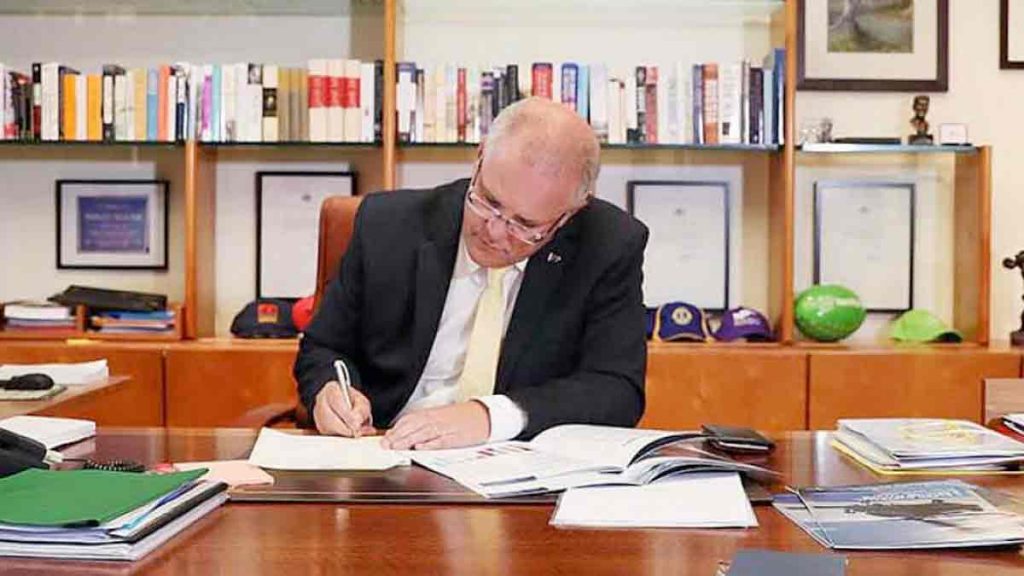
(681, 321)
(265, 318)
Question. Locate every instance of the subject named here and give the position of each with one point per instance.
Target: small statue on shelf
(921, 135)
(1017, 261)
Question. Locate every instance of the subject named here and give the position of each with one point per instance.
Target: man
(486, 309)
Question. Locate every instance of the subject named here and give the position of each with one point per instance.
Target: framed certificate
(687, 256)
(112, 224)
(864, 240)
(287, 226)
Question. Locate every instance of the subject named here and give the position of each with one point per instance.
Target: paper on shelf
(69, 374)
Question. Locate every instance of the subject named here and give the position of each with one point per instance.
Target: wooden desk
(316, 538)
(77, 401)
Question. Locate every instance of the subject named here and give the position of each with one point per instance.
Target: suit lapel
(542, 278)
(434, 263)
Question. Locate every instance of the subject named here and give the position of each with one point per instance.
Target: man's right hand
(332, 415)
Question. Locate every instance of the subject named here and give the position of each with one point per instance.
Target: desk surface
(74, 395)
(313, 538)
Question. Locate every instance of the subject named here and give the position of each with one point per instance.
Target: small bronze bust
(1017, 261)
(921, 135)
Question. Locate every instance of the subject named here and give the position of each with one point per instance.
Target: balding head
(549, 137)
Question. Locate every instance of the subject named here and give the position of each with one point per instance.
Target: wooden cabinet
(690, 385)
(924, 382)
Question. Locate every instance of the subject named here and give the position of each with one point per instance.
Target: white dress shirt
(438, 385)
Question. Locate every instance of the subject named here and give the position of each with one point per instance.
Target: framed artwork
(687, 255)
(864, 240)
(873, 45)
(287, 228)
(112, 224)
(1011, 34)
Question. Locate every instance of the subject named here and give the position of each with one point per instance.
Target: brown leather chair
(337, 221)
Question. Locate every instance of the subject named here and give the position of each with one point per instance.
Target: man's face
(532, 205)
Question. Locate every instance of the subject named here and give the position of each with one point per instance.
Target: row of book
(26, 316)
(37, 317)
(329, 100)
(709, 103)
(341, 100)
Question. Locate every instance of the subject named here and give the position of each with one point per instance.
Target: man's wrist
(507, 419)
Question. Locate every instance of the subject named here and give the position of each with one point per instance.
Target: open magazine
(935, 514)
(575, 455)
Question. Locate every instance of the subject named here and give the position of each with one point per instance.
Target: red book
(337, 86)
(541, 78)
(651, 104)
(317, 92)
(460, 104)
(350, 97)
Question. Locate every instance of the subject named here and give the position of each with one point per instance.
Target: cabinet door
(930, 382)
(693, 384)
(138, 401)
(216, 384)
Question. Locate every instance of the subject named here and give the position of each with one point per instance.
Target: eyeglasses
(485, 209)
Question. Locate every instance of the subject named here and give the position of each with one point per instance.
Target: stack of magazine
(575, 455)
(927, 445)
(99, 515)
(937, 514)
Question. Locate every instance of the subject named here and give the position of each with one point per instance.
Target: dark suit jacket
(574, 350)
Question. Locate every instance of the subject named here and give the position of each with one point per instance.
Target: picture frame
(1011, 34)
(865, 230)
(287, 228)
(689, 224)
(909, 51)
(112, 224)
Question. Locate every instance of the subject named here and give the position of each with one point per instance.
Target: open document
(282, 451)
(577, 455)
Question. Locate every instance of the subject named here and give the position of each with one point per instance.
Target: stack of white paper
(281, 451)
(68, 374)
(52, 432)
(693, 501)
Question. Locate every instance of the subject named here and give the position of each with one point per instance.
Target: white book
(81, 108)
(451, 96)
(556, 81)
(120, 107)
(599, 101)
(228, 104)
(241, 102)
(352, 114)
(745, 102)
(270, 113)
(730, 101)
(335, 110)
(319, 72)
(616, 130)
(429, 110)
(52, 432)
(629, 119)
(419, 87)
(49, 128)
(129, 105)
(254, 106)
(683, 102)
(473, 104)
(699, 501)
(440, 89)
(366, 101)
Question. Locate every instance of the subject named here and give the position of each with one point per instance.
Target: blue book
(583, 92)
(215, 132)
(152, 103)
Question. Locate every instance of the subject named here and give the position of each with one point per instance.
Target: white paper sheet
(692, 501)
(67, 374)
(282, 451)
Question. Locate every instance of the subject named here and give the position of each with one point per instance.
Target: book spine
(6, 110)
(652, 120)
(152, 104)
(756, 127)
(460, 105)
(216, 104)
(421, 104)
(640, 80)
(318, 81)
(270, 120)
(94, 107)
(181, 116)
(335, 100)
(486, 97)
(711, 104)
(37, 101)
(541, 77)
(599, 101)
(583, 92)
(378, 101)
(366, 101)
(50, 129)
(285, 92)
(406, 99)
(729, 104)
(69, 100)
(81, 107)
(570, 78)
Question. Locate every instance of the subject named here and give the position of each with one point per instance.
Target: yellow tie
(478, 372)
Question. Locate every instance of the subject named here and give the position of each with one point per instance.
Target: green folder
(81, 497)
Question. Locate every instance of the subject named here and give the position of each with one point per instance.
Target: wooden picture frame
(688, 252)
(864, 64)
(287, 226)
(112, 224)
(1011, 38)
(859, 226)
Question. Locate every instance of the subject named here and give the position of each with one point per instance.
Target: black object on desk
(28, 382)
(104, 299)
(19, 453)
(737, 439)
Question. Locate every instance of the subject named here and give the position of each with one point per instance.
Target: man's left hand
(454, 426)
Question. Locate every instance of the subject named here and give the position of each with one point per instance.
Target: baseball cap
(680, 321)
(742, 323)
(918, 325)
(265, 318)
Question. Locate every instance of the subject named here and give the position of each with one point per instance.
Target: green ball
(828, 312)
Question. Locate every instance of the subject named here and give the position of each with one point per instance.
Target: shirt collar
(465, 266)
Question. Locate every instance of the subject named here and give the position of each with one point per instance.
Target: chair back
(337, 221)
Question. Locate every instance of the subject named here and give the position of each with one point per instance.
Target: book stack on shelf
(329, 100)
(711, 104)
(31, 319)
(136, 325)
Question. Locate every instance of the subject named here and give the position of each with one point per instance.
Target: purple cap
(743, 324)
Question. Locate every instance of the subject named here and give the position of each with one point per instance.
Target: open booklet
(575, 455)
